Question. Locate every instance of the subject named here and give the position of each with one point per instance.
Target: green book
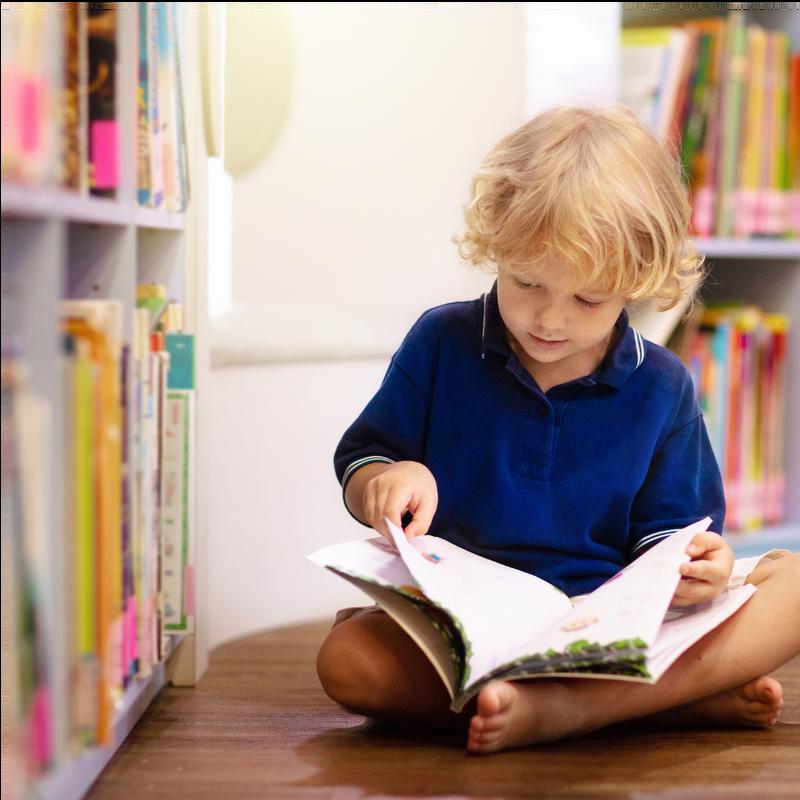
(180, 347)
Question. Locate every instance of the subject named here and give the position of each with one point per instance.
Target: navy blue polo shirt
(570, 484)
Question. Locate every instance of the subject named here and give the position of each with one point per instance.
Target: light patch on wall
(259, 76)
(220, 246)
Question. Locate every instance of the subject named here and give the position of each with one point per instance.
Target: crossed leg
(369, 665)
(715, 680)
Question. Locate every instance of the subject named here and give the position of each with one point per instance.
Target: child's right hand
(404, 486)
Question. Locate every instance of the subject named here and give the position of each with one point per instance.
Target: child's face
(553, 323)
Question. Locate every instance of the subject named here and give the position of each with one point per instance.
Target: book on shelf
(60, 106)
(123, 513)
(737, 358)
(477, 620)
(102, 27)
(162, 167)
(29, 703)
(171, 370)
(722, 92)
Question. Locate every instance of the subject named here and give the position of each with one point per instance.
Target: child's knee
(786, 569)
(345, 669)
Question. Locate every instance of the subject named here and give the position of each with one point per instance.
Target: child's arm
(706, 575)
(381, 490)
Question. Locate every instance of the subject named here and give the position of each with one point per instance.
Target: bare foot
(752, 705)
(516, 714)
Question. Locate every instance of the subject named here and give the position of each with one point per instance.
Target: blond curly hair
(592, 188)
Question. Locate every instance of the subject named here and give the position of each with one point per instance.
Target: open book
(477, 620)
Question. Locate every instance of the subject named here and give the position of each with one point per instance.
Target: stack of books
(60, 105)
(74, 639)
(737, 358)
(724, 95)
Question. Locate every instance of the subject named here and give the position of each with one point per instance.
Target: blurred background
(220, 220)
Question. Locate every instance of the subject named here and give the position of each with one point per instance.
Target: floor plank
(259, 726)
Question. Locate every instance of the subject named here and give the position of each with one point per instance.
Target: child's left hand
(706, 575)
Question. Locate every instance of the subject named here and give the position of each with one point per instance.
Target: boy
(537, 428)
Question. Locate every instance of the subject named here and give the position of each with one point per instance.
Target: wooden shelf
(74, 779)
(749, 248)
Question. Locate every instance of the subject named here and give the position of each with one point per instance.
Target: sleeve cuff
(647, 541)
(352, 469)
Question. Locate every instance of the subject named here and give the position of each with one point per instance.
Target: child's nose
(551, 316)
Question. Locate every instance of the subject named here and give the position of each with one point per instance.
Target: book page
(500, 610)
(372, 559)
(685, 626)
(627, 611)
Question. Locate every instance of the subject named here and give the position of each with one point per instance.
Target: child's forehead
(560, 275)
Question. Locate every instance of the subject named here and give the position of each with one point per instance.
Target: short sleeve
(682, 486)
(393, 424)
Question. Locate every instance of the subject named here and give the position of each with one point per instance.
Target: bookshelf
(762, 270)
(58, 245)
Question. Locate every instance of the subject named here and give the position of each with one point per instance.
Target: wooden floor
(259, 726)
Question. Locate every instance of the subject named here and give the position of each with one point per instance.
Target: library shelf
(33, 202)
(74, 779)
(749, 248)
(784, 536)
(160, 220)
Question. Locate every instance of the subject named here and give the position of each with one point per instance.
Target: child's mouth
(550, 344)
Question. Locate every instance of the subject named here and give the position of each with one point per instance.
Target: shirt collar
(624, 358)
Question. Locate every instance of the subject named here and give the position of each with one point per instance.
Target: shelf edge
(73, 779)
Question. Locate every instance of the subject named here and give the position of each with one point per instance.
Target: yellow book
(107, 457)
(84, 677)
(775, 221)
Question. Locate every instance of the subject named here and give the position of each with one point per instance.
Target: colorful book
(749, 182)
(103, 129)
(477, 620)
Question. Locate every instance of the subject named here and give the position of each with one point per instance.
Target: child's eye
(589, 303)
(523, 285)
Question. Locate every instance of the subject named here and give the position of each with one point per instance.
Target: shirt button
(544, 411)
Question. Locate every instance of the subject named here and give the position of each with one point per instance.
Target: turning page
(499, 610)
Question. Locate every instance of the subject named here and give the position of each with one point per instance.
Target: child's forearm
(354, 493)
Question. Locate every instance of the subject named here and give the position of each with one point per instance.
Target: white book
(477, 620)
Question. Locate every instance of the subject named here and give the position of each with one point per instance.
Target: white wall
(392, 110)
(273, 497)
(343, 236)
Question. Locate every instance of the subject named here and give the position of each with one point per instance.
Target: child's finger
(395, 504)
(691, 595)
(704, 542)
(423, 514)
(699, 570)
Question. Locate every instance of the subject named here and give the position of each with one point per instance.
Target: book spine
(704, 185)
(776, 208)
(793, 146)
(142, 105)
(156, 162)
(735, 69)
(103, 132)
(748, 185)
(71, 163)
